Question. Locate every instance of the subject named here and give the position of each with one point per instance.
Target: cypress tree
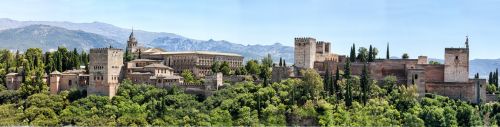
(284, 63)
(18, 61)
(139, 55)
(490, 78)
(281, 62)
(370, 54)
(336, 85)
(326, 80)
(496, 77)
(347, 76)
(353, 53)
(364, 85)
(387, 53)
(76, 59)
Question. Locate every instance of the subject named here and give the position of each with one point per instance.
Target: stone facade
(198, 62)
(70, 79)
(308, 51)
(305, 52)
(105, 69)
(13, 81)
(456, 65)
(151, 72)
(449, 79)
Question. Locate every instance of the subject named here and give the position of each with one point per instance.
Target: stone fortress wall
(448, 79)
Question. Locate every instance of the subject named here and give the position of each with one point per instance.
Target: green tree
(412, 120)
(433, 116)
(336, 84)
(267, 61)
(281, 62)
(450, 117)
(389, 83)
(327, 80)
(467, 115)
(10, 115)
(405, 56)
(370, 54)
(387, 52)
(325, 111)
(224, 68)
(491, 88)
(363, 54)
(75, 59)
(189, 77)
(252, 67)
(313, 83)
(265, 74)
(216, 66)
(374, 53)
(18, 61)
(34, 67)
(274, 115)
(84, 57)
(220, 117)
(365, 88)
(353, 53)
(246, 117)
(128, 56)
(496, 77)
(347, 77)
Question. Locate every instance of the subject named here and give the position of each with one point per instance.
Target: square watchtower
(456, 65)
(305, 52)
(105, 70)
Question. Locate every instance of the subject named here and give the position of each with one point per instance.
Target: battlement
(455, 50)
(103, 50)
(322, 42)
(305, 39)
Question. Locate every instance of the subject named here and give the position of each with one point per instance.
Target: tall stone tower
(457, 64)
(132, 43)
(105, 69)
(305, 52)
(54, 79)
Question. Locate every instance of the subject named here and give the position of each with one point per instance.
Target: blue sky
(419, 27)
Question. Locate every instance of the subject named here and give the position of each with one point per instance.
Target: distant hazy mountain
(249, 51)
(481, 66)
(104, 29)
(159, 39)
(50, 37)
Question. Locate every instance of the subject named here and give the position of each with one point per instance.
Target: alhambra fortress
(161, 68)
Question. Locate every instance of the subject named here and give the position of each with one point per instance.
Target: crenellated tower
(305, 51)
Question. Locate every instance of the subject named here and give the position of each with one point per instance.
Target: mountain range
(107, 34)
(48, 35)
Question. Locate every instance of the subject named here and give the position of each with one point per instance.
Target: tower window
(456, 57)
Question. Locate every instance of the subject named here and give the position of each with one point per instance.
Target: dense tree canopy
(353, 100)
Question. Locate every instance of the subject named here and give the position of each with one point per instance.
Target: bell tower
(132, 43)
